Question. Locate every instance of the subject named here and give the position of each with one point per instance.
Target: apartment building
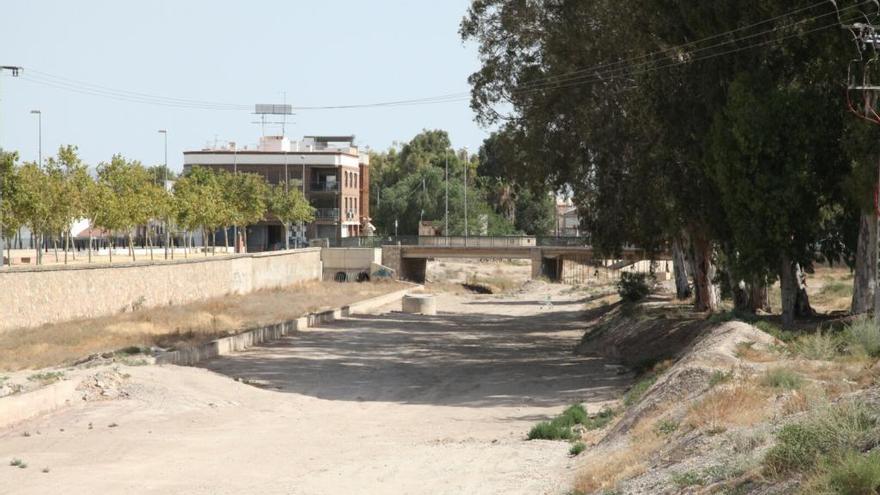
(331, 170)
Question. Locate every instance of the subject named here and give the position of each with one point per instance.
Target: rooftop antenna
(264, 109)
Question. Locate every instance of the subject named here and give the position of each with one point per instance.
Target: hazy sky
(329, 52)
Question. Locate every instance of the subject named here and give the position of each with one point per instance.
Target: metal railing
(327, 213)
(324, 186)
(460, 241)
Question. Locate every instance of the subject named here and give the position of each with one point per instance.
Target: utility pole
(164, 134)
(15, 70)
(446, 225)
(867, 43)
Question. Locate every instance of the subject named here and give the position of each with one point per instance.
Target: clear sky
(320, 53)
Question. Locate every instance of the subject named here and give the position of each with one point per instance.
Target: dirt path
(374, 404)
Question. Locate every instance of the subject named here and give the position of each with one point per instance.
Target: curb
(20, 407)
(239, 342)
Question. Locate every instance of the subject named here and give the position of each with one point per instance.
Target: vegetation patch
(850, 474)
(635, 393)
(560, 427)
(634, 287)
(862, 336)
(46, 377)
(741, 405)
(577, 448)
(828, 435)
(782, 378)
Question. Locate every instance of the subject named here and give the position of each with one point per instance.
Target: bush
(560, 427)
(782, 378)
(600, 420)
(862, 336)
(769, 328)
(853, 474)
(634, 287)
(577, 448)
(827, 435)
(820, 346)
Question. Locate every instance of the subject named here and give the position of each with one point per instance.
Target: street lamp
(465, 195)
(446, 223)
(39, 115)
(164, 134)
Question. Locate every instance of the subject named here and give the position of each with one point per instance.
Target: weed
(718, 377)
(635, 393)
(600, 420)
(574, 414)
(666, 426)
(550, 430)
(862, 336)
(771, 329)
(26, 434)
(852, 474)
(47, 377)
(782, 378)
(577, 448)
(740, 405)
(45, 470)
(15, 462)
(829, 433)
(687, 478)
(138, 303)
(112, 425)
(132, 350)
(818, 346)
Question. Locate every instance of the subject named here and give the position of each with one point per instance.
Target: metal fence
(455, 241)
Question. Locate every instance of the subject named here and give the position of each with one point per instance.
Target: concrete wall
(32, 296)
(351, 261)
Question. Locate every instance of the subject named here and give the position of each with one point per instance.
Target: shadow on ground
(473, 359)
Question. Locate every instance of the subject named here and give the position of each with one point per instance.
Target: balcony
(324, 186)
(326, 213)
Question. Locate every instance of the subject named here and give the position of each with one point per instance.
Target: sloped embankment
(727, 410)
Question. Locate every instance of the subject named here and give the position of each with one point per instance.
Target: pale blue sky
(330, 52)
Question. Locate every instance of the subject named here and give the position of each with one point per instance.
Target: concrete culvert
(340, 277)
(363, 277)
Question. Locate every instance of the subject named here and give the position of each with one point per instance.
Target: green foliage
(687, 478)
(634, 287)
(850, 474)
(862, 336)
(635, 393)
(769, 328)
(818, 346)
(718, 377)
(667, 426)
(289, 206)
(600, 420)
(577, 448)
(560, 427)
(827, 434)
(782, 378)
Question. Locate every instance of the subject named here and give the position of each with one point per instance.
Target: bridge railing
(458, 241)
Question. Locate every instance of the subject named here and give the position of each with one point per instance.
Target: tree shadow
(471, 359)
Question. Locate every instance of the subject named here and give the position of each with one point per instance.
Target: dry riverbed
(386, 403)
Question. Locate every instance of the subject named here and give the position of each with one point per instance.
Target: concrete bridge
(410, 261)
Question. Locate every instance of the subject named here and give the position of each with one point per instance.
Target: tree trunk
(706, 292)
(55, 247)
(110, 247)
(286, 236)
(90, 244)
(863, 278)
(131, 246)
(150, 242)
(185, 245)
(213, 242)
(226, 240)
(205, 241)
(679, 270)
(795, 302)
(759, 298)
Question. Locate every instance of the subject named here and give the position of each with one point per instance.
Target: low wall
(239, 342)
(351, 261)
(32, 296)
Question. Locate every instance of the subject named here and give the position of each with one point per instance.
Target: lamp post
(39, 115)
(164, 134)
(234, 172)
(465, 195)
(302, 225)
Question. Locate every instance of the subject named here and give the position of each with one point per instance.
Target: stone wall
(32, 296)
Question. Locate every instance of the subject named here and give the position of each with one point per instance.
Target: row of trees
(716, 128)
(409, 185)
(124, 196)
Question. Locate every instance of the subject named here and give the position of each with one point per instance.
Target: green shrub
(46, 377)
(718, 377)
(862, 336)
(634, 287)
(687, 478)
(667, 426)
(853, 474)
(782, 378)
(819, 345)
(551, 430)
(600, 420)
(577, 448)
(574, 414)
(771, 329)
(828, 434)
(635, 393)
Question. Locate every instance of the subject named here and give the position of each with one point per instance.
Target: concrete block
(425, 304)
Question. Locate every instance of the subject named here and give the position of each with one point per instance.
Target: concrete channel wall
(33, 296)
(239, 342)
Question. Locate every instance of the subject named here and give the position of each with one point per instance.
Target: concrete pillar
(537, 256)
(391, 258)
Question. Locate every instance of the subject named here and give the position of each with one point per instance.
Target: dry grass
(744, 404)
(749, 351)
(175, 326)
(603, 469)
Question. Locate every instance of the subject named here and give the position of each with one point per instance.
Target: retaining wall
(32, 296)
